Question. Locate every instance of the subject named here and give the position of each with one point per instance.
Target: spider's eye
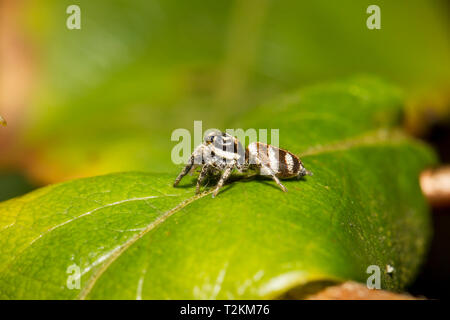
(209, 139)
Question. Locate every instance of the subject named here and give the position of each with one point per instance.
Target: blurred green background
(106, 98)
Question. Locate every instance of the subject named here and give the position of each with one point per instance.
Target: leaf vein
(93, 279)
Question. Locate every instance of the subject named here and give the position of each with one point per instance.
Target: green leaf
(135, 236)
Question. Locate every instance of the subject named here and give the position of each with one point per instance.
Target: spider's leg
(185, 170)
(274, 177)
(201, 177)
(226, 174)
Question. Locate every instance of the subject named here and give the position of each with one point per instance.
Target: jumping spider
(221, 152)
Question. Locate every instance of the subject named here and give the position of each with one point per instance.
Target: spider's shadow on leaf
(212, 180)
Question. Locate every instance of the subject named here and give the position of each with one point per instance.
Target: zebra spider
(221, 152)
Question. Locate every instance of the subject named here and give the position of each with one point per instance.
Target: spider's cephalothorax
(223, 152)
(219, 152)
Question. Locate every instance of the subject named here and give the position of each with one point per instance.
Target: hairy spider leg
(205, 170)
(226, 174)
(274, 177)
(267, 170)
(185, 171)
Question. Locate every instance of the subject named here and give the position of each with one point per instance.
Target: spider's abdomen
(282, 162)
